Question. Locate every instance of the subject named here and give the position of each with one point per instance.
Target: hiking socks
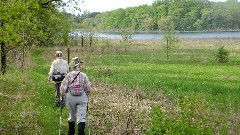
(81, 127)
(71, 128)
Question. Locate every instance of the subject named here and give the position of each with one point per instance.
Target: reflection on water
(180, 35)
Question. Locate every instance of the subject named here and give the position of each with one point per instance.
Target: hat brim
(71, 64)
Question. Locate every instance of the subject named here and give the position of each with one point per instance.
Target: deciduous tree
(32, 22)
(167, 27)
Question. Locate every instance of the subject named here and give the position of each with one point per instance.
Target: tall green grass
(28, 102)
(218, 82)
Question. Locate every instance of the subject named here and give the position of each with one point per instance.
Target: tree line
(187, 15)
(25, 23)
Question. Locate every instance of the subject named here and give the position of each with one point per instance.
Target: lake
(180, 35)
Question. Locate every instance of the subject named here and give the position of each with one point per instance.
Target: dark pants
(71, 129)
(57, 90)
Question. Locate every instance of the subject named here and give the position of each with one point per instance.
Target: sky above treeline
(108, 5)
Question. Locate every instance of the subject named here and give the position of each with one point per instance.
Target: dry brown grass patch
(117, 110)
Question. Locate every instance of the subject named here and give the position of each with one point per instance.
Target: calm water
(180, 35)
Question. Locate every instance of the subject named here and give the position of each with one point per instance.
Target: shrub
(222, 55)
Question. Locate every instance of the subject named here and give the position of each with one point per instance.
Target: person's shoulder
(64, 61)
(54, 61)
(84, 74)
(70, 74)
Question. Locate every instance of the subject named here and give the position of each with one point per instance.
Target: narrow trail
(47, 113)
(27, 101)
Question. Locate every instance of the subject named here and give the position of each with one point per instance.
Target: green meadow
(192, 67)
(191, 78)
(201, 96)
(219, 83)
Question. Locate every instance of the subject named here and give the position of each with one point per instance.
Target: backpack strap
(72, 81)
(75, 77)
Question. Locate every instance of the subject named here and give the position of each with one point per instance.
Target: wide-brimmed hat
(59, 54)
(76, 61)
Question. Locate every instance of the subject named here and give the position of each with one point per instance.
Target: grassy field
(135, 90)
(192, 68)
(200, 88)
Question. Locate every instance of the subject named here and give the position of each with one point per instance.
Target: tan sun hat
(75, 62)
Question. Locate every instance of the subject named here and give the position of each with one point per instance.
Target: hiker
(58, 71)
(76, 86)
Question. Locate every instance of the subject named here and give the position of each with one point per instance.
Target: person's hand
(62, 101)
(49, 79)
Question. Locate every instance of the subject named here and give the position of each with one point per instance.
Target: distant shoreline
(209, 31)
(158, 35)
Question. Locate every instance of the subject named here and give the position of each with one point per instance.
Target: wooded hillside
(187, 15)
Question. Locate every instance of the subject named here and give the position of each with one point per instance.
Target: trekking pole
(88, 122)
(89, 130)
(60, 123)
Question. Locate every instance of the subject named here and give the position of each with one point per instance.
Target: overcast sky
(108, 5)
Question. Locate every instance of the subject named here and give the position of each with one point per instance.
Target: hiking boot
(58, 104)
(81, 127)
(62, 103)
(71, 128)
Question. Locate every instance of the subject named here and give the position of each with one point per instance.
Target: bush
(222, 55)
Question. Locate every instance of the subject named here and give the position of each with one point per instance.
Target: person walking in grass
(76, 88)
(58, 71)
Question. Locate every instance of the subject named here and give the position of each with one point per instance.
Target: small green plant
(159, 123)
(126, 38)
(222, 55)
(167, 27)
